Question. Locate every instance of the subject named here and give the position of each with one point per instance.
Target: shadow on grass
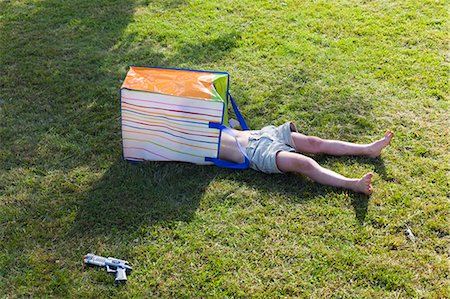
(193, 53)
(133, 194)
(211, 50)
(360, 203)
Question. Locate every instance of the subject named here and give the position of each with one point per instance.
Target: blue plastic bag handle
(224, 163)
(238, 114)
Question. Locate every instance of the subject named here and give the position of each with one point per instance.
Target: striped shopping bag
(176, 115)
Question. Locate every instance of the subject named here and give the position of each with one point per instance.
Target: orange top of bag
(185, 83)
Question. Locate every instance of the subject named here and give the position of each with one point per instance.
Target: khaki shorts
(263, 146)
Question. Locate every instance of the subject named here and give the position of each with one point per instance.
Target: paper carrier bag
(176, 115)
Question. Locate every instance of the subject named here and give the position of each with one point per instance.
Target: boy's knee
(306, 164)
(315, 142)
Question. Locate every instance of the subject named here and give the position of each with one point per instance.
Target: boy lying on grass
(277, 150)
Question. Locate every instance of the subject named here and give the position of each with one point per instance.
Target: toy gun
(112, 265)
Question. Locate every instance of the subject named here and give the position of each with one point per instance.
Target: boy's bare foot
(375, 148)
(364, 185)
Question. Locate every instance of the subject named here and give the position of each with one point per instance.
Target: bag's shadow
(130, 195)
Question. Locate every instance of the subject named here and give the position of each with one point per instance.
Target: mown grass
(342, 69)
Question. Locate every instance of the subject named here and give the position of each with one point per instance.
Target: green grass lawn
(339, 69)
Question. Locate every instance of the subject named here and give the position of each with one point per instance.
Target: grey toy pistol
(120, 267)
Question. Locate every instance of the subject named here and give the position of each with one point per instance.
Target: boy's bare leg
(316, 145)
(294, 162)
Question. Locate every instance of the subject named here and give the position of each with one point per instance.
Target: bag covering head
(167, 114)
